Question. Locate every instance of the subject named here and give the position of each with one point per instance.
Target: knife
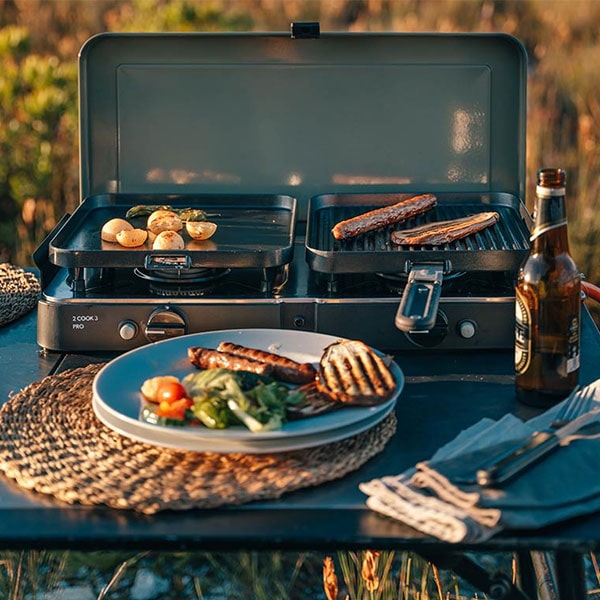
(537, 446)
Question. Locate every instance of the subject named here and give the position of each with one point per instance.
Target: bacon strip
(443, 232)
(383, 217)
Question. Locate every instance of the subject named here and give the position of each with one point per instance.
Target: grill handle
(420, 300)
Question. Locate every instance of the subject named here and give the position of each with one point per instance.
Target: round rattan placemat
(19, 291)
(51, 442)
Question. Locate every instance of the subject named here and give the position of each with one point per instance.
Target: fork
(570, 408)
(538, 444)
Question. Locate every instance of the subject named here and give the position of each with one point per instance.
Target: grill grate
(499, 247)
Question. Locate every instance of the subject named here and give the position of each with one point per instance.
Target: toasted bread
(351, 372)
(315, 403)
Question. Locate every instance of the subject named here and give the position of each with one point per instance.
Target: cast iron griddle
(254, 231)
(501, 247)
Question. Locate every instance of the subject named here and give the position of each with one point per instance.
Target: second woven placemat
(51, 442)
(19, 291)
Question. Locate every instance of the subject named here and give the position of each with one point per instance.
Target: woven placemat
(19, 291)
(51, 442)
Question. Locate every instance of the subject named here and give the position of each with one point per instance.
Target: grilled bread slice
(315, 403)
(350, 372)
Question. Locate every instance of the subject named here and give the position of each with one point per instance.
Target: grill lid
(275, 114)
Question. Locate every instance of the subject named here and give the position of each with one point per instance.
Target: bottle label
(550, 212)
(573, 344)
(522, 334)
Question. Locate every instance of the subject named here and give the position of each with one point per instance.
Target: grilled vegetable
(144, 210)
(185, 214)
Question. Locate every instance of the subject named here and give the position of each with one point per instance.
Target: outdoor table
(442, 396)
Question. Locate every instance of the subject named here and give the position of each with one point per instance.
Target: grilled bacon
(350, 372)
(443, 232)
(282, 368)
(206, 358)
(383, 216)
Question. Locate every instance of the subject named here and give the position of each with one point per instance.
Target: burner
(396, 282)
(182, 282)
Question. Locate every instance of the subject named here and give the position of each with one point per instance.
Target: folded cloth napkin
(440, 496)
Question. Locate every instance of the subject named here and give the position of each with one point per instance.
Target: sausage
(383, 216)
(206, 358)
(443, 232)
(283, 368)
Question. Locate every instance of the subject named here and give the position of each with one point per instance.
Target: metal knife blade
(537, 446)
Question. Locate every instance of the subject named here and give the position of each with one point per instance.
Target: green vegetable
(185, 214)
(149, 415)
(222, 397)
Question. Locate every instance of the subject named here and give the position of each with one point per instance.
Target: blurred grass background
(40, 40)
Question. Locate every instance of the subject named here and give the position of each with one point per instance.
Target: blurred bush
(39, 40)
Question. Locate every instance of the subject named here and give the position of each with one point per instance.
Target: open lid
(271, 113)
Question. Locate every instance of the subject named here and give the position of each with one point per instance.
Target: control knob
(164, 323)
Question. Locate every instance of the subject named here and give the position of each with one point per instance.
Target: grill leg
(570, 575)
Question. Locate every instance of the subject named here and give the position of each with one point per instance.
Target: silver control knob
(467, 329)
(127, 330)
(164, 323)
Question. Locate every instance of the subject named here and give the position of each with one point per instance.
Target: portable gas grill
(280, 137)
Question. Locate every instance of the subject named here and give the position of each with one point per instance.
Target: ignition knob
(467, 329)
(164, 323)
(127, 330)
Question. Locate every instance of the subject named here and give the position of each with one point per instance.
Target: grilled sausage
(206, 358)
(283, 368)
(384, 216)
(349, 371)
(443, 232)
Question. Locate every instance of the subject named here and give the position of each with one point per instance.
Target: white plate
(117, 398)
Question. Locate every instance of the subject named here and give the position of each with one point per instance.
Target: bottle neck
(550, 220)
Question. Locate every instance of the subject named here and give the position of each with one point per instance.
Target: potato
(200, 230)
(168, 240)
(130, 238)
(112, 227)
(150, 386)
(164, 220)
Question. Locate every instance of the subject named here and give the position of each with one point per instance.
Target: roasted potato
(200, 230)
(130, 238)
(111, 228)
(168, 240)
(164, 220)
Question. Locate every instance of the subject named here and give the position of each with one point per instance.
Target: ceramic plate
(117, 399)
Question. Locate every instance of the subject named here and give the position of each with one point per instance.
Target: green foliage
(38, 101)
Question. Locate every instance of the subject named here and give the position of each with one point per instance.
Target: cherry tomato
(174, 410)
(170, 392)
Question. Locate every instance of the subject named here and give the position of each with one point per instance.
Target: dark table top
(445, 392)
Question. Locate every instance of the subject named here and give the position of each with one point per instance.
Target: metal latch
(305, 31)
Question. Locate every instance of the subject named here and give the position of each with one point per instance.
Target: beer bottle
(548, 302)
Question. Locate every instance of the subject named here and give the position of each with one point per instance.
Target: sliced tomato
(170, 391)
(175, 409)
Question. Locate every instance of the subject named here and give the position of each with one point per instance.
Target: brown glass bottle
(548, 302)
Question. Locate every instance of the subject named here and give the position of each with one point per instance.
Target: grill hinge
(305, 31)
